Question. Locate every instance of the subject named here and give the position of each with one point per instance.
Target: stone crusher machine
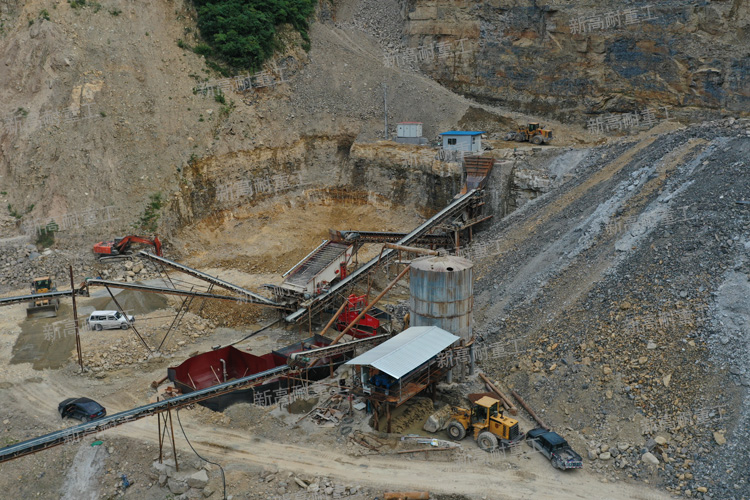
(46, 308)
(371, 324)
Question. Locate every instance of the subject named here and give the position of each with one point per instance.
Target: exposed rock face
(584, 58)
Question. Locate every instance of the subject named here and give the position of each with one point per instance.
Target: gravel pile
(383, 19)
(22, 262)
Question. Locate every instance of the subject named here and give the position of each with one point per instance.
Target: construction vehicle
(119, 247)
(533, 132)
(44, 307)
(491, 428)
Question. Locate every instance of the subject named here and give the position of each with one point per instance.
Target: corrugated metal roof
(461, 132)
(407, 350)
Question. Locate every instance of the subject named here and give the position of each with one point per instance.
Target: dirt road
(532, 478)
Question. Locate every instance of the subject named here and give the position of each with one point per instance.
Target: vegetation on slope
(242, 32)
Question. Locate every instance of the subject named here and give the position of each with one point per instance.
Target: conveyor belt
(389, 237)
(258, 299)
(73, 433)
(455, 206)
(166, 290)
(40, 296)
(333, 350)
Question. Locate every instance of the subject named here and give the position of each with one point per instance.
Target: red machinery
(367, 326)
(121, 245)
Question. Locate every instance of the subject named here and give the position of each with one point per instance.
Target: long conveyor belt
(457, 205)
(166, 290)
(391, 237)
(40, 296)
(73, 433)
(256, 299)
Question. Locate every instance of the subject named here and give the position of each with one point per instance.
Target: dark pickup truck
(555, 448)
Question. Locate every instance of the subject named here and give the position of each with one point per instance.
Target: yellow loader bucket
(43, 309)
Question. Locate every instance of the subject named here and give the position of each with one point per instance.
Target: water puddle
(50, 342)
(43, 346)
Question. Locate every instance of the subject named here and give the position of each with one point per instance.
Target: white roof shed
(406, 351)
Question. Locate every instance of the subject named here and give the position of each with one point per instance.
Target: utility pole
(385, 110)
(75, 319)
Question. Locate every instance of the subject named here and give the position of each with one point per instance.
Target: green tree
(242, 32)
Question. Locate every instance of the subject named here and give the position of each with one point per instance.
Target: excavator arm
(124, 243)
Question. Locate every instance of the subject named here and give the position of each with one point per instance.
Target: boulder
(198, 480)
(648, 458)
(719, 438)
(177, 487)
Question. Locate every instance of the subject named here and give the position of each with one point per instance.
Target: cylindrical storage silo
(442, 294)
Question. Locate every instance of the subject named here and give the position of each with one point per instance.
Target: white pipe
(224, 367)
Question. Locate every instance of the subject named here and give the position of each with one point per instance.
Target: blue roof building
(459, 140)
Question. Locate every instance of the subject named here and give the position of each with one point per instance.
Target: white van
(107, 320)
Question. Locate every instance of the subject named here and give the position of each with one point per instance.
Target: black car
(84, 409)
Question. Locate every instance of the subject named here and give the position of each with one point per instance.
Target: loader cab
(41, 285)
(484, 409)
(533, 126)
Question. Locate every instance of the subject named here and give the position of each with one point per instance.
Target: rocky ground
(622, 294)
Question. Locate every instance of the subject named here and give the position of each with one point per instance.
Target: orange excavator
(120, 246)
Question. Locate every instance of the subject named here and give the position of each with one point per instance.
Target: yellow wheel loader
(485, 418)
(46, 308)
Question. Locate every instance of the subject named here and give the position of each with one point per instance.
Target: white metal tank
(442, 294)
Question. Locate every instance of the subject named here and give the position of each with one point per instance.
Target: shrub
(149, 221)
(45, 238)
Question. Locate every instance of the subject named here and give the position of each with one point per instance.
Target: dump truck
(43, 307)
(533, 133)
(485, 418)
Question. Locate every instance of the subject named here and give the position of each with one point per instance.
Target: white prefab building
(457, 140)
(409, 129)
(410, 133)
